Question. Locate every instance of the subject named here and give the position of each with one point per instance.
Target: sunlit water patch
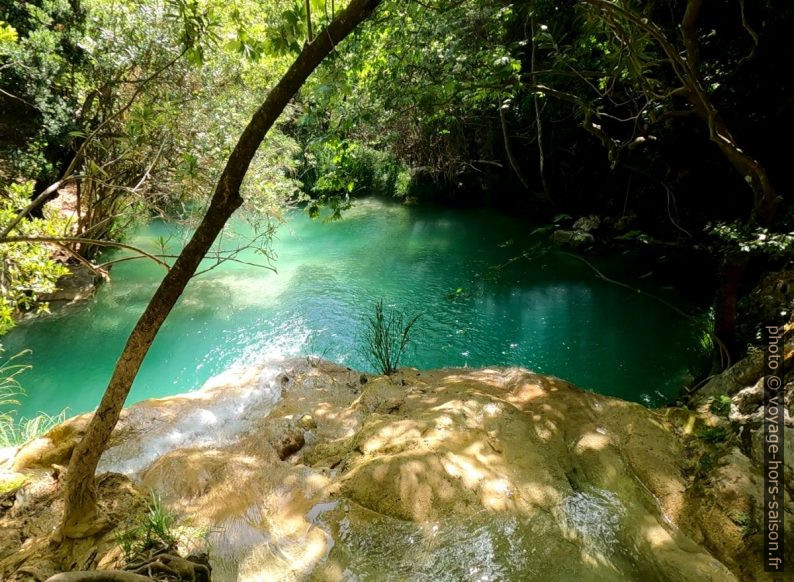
(549, 313)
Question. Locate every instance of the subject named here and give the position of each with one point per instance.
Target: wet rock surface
(306, 472)
(571, 239)
(727, 492)
(80, 284)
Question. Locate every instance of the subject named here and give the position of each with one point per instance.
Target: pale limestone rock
(445, 474)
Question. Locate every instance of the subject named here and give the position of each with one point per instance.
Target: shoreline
(313, 446)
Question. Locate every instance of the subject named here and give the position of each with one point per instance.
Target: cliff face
(313, 471)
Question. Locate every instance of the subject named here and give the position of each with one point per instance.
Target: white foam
(216, 415)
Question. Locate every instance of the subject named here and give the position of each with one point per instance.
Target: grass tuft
(386, 337)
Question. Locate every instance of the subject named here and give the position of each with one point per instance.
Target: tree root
(99, 576)
(158, 566)
(168, 564)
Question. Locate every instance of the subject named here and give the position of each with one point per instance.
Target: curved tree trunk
(766, 200)
(80, 514)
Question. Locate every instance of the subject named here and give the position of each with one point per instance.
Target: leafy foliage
(713, 434)
(745, 522)
(740, 238)
(10, 388)
(41, 77)
(721, 405)
(416, 101)
(27, 270)
(17, 431)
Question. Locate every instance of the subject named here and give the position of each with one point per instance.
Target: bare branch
(89, 241)
(753, 35)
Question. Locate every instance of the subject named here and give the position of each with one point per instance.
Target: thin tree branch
(88, 241)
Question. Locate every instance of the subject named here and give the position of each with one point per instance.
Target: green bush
(745, 522)
(713, 434)
(705, 464)
(346, 168)
(27, 270)
(17, 431)
(721, 405)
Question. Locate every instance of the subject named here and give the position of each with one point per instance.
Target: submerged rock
(587, 223)
(459, 474)
(79, 284)
(571, 239)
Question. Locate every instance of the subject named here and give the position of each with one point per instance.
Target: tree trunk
(765, 198)
(725, 304)
(80, 513)
(309, 37)
(689, 33)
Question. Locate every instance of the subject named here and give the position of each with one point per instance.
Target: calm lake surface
(483, 304)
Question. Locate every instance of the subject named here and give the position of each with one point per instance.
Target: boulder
(571, 239)
(587, 223)
(53, 448)
(80, 284)
(443, 474)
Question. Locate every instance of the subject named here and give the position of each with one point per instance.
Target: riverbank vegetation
(650, 129)
(562, 111)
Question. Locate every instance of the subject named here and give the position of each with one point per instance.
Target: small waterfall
(216, 415)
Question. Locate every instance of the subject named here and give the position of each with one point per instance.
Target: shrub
(346, 168)
(10, 388)
(721, 405)
(386, 337)
(713, 434)
(745, 523)
(17, 431)
(705, 464)
(27, 270)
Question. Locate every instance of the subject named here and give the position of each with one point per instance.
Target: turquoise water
(547, 312)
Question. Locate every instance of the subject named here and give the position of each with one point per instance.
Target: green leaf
(8, 34)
